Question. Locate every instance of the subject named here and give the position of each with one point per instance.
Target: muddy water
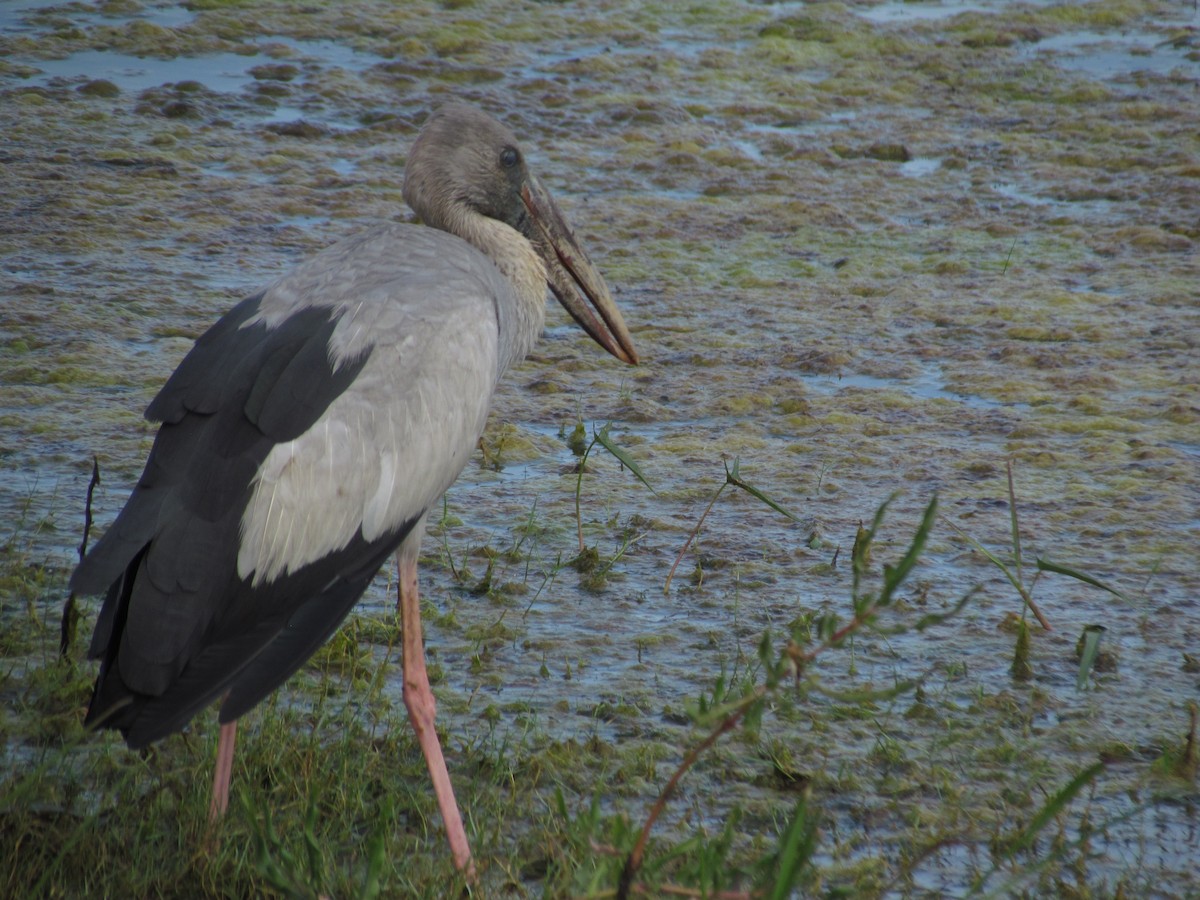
(865, 248)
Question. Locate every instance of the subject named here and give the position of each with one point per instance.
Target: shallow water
(849, 321)
(1106, 56)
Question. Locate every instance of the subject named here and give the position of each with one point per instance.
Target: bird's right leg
(418, 699)
(223, 771)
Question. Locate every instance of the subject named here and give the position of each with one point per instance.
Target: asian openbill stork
(308, 432)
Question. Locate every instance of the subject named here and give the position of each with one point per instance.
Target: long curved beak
(571, 274)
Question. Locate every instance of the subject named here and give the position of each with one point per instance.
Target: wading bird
(306, 435)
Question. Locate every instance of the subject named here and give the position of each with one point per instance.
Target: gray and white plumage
(308, 432)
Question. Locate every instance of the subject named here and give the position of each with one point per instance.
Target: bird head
(465, 163)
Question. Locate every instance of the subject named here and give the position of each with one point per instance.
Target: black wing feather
(178, 625)
(254, 653)
(208, 374)
(281, 400)
(314, 621)
(208, 448)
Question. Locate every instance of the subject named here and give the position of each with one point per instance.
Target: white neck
(520, 322)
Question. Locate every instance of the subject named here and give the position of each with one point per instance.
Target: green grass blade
(930, 619)
(732, 477)
(862, 549)
(1044, 565)
(795, 850)
(579, 490)
(1087, 658)
(893, 576)
(376, 856)
(312, 847)
(1014, 523)
(755, 492)
(993, 559)
(85, 827)
(623, 455)
(879, 514)
(1053, 807)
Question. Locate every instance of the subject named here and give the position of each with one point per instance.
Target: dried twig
(70, 615)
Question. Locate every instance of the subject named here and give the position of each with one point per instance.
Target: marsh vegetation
(873, 254)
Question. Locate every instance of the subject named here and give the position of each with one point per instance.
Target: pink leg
(223, 772)
(418, 698)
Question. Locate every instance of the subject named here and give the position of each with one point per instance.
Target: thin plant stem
(731, 478)
(1016, 529)
(691, 537)
(634, 861)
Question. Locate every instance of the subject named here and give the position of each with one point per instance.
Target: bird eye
(509, 157)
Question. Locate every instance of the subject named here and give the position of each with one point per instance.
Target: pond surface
(865, 248)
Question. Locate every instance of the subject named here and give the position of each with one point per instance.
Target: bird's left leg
(223, 771)
(418, 699)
